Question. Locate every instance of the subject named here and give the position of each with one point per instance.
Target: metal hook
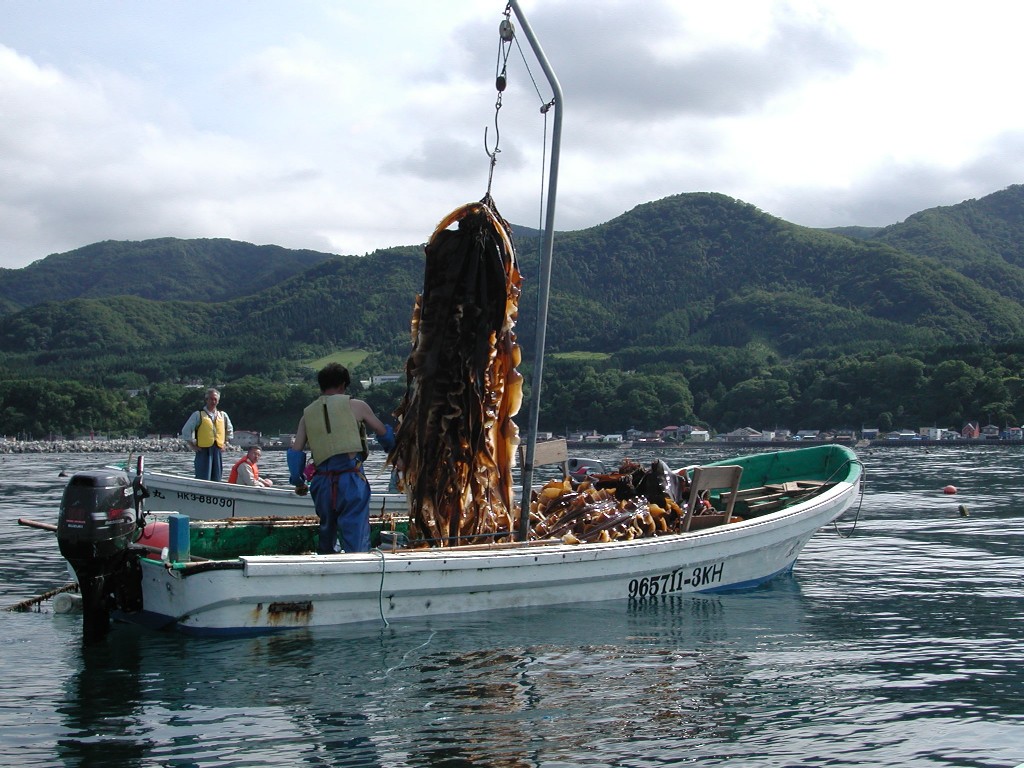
(497, 134)
(497, 140)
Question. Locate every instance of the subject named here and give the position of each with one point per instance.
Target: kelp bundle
(632, 503)
(456, 438)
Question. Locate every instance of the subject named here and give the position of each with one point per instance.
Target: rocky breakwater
(127, 445)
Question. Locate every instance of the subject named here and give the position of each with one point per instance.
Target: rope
(461, 537)
(860, 504)
(424, 644)
(25, 605)
(543, 184)
(530, 73)
(380, 589)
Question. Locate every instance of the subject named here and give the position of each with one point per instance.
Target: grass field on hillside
(581, 356)
(350, 358)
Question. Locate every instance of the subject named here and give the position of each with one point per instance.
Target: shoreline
(176, 445)
(774, 445)
(129, 445)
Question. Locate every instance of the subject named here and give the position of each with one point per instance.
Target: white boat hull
(209, 500)
(267, 593)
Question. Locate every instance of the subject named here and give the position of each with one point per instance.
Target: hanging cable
(506, 34)
(522, 55)
(543, 175)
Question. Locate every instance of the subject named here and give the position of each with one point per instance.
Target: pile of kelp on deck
(632, 503)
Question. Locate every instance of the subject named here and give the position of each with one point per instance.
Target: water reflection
(658, 673)
(103, 706)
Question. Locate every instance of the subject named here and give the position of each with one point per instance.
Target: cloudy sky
(347, 125)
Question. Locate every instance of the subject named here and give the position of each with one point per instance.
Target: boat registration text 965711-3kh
(676, 581)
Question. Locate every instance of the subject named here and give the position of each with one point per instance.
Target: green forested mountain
(707, 269)
(166, 269)
(696, 307)
(982, 239)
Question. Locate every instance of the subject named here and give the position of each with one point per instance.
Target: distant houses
(383, 378)
(673, 434)
(245, 438)
(743, 435)
(592, 437)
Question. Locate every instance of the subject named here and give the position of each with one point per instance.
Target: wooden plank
(749, 492)
(794, 486)
(547, 452)
(763, 498)
(550, 452)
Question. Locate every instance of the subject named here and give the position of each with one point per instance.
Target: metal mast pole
(545, 273)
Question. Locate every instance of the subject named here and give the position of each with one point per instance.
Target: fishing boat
(209, 500)
(763, 509)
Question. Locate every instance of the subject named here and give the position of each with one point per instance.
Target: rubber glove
(387, 440)
(296, 463)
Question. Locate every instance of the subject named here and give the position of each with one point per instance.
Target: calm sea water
(899, 645)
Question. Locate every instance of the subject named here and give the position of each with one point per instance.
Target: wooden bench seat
(768, 498)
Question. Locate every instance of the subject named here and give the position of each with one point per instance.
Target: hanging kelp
(456, 438)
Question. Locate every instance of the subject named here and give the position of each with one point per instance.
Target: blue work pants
(341, 496)
(208, 464)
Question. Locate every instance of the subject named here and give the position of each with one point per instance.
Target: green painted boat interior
(226, 539)
(777, 479)
(826, 463)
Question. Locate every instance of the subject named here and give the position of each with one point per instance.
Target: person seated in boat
(246, 470)
(333, 428)
(207, 432)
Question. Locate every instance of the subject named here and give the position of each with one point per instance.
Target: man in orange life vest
(246, 470)
(207, 432)
(331, 426)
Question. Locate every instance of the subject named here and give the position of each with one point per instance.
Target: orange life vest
(233, 477)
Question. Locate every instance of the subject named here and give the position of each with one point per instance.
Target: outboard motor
(579, 467)
(95, 530)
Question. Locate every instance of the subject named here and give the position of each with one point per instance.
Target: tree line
(718, 388)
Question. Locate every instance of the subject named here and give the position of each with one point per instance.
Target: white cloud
(347, 127)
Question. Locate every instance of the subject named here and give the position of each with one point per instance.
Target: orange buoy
(949, 490)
